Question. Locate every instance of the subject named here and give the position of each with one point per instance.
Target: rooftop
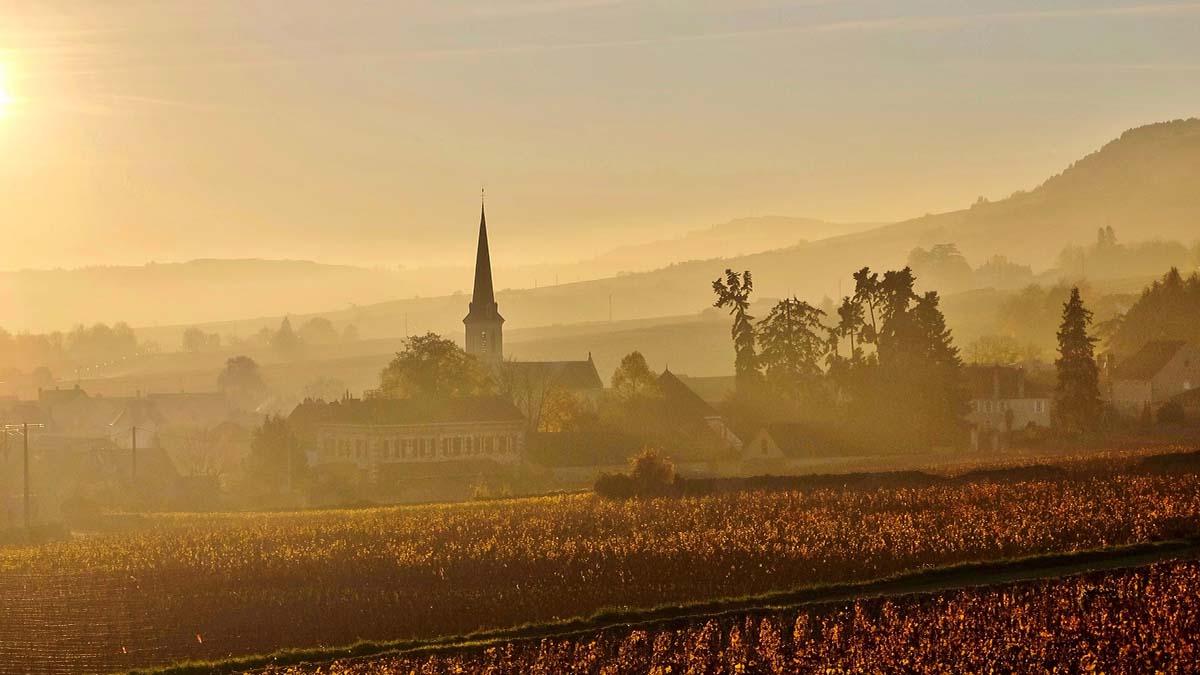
(401, 411)
(1148, 361)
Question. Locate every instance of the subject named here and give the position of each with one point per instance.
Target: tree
(633, 378)
(277, 460)
(318, 331)
(940, 396)
(535, 391)
(324, 388)
(242, 381)
(562, 411)
(1077, 397)
(942, 265)
(734, 292)
(908, 390)
(285, 341)
(435, 367)
(195, 340)
(1166, 310)
(1002, 350)
(791, 348)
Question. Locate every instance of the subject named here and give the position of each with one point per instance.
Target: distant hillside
(195, 291)
(1145, 184)
(202, 291)
(736, 237)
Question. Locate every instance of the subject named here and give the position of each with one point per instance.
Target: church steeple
(483, 321)
(483, 295)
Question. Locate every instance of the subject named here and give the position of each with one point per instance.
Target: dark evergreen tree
(1077, 397)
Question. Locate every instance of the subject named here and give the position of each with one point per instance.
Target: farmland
(164, 588)
(1144, 620)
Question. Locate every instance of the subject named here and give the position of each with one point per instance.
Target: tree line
(883, 371)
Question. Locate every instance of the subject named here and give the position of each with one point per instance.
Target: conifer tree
(1077, 397)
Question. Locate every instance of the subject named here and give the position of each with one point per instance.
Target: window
(445, 446)
(489, 445)
(1039, 406)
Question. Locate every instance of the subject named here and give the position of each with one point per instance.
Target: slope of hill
(199, 291)
(742, 236)
(194, 291)
(1145, 184)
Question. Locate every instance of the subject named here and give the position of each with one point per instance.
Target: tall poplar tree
(1077, 397)
(734, 292)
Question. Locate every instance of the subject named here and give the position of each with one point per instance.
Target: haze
(139, 131)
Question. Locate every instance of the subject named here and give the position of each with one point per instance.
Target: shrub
(650, 475)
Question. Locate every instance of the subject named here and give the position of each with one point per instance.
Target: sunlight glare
(6, 98)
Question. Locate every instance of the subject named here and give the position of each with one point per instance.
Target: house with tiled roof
(1158, 372)
(682, 406)
(1004, 399)
(374, 438)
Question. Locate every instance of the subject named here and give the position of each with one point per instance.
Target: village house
(1158, 372)
(380, 440)
(1004, 399)
(686, 409)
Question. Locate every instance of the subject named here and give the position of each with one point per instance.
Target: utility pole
(610, 307)
(6, 430)
(133, 456)
(289, 469)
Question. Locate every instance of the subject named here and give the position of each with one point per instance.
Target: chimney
(996, 382)
(1020, 383)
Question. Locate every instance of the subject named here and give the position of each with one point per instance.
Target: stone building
(1158, 372)
(376, 438)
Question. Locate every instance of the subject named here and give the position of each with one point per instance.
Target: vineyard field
(191, 586)
(1129, 622)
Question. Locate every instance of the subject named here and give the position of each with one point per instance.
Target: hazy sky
(361, 132)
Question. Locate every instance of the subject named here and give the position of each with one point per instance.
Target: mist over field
(453, 336)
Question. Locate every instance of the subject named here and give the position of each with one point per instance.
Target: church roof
(483, 296)
(573, 375)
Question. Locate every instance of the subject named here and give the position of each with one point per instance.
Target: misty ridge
(1115, 219)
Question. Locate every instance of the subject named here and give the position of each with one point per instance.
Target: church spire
(483, 296)
(485, 326)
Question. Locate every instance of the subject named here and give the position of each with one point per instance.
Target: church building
(485, 326)
(485, 338)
